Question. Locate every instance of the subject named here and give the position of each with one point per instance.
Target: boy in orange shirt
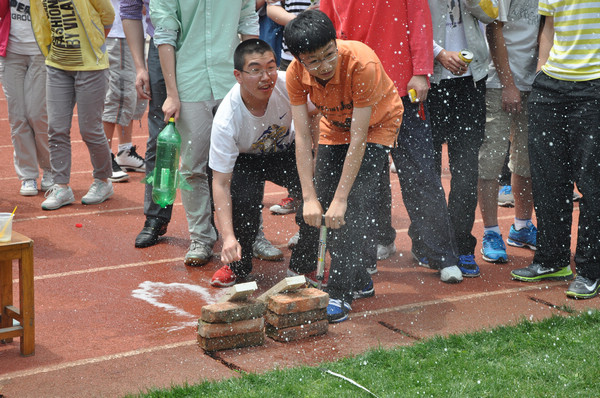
(362, 112)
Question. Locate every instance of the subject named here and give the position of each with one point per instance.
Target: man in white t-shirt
(513, 45)
(252, 141)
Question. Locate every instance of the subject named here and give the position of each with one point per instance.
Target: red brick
(302, 300)
(211, 330)
(297, 332)
(232, 311)
(229, 342)
(295, 319)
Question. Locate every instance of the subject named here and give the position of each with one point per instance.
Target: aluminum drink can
(412, 95)
(466, 56)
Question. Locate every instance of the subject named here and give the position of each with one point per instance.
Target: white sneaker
(451, 274)
(129, 160)
(118, 175)
(98, 193)
(28, 188)
(384, 252)
(286, 206)
(57, 197)
(47, 180)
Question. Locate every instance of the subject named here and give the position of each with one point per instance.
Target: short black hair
(308, 32)
(250, 46)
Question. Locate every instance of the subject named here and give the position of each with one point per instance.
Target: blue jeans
(564, 148)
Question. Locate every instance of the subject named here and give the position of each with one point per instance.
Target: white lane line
(91, 361)
(104, 358)
(453, 299)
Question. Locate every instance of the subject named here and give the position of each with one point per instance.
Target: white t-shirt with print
(21, 40)
(235, 130)
(520, 30)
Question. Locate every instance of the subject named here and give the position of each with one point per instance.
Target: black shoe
(153, 228)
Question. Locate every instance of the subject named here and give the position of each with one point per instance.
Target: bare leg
(488, 201)
(523, 197)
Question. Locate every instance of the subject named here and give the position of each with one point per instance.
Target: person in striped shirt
(564, 145)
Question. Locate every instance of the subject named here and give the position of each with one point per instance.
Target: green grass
(556, 357)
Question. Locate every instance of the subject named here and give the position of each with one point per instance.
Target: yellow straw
(6, 225)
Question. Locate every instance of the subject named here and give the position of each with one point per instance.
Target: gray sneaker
(293, 240)
(385, 252)
(57, 197)
(199, 254)
(264, 250)
(98, 193)
(451, 274)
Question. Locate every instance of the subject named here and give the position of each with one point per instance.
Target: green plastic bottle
(166, 171)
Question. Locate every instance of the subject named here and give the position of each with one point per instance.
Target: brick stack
(297, 315)
(234, 322)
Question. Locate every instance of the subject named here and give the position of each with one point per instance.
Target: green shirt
(205, 35)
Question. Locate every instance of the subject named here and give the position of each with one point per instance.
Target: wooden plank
(239, 292)
(288, 284)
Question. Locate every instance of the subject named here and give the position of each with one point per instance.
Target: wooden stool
(19, 248)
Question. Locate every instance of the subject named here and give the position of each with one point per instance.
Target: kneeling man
(252, 141)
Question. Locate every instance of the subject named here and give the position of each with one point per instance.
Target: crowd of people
(318, 97)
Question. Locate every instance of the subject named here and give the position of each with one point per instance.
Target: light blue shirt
(205, 35)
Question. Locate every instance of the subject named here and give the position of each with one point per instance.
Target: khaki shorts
(121, 101)
(500, 127)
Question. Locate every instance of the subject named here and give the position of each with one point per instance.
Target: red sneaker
(311, 277)
(224, 277)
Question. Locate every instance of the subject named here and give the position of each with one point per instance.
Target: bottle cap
(171, 120)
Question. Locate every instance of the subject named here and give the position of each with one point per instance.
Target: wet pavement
(112, 319)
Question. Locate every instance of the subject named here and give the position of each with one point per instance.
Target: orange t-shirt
(359, 81)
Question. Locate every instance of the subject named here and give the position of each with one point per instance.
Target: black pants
(155, 125)
(457, 109)
(430, 230)
(351, 247)
(564, 147)
(247, 191)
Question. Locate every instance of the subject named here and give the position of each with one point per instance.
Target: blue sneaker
(493, 248)
(367, 291)
(422, 261)
(468, 266)
(524, 237)
(337, 310)
(506, 197)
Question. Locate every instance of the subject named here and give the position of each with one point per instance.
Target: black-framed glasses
(256, 72)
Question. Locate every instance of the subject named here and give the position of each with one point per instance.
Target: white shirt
(521, 23)
(235, 130)
(21, 40)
